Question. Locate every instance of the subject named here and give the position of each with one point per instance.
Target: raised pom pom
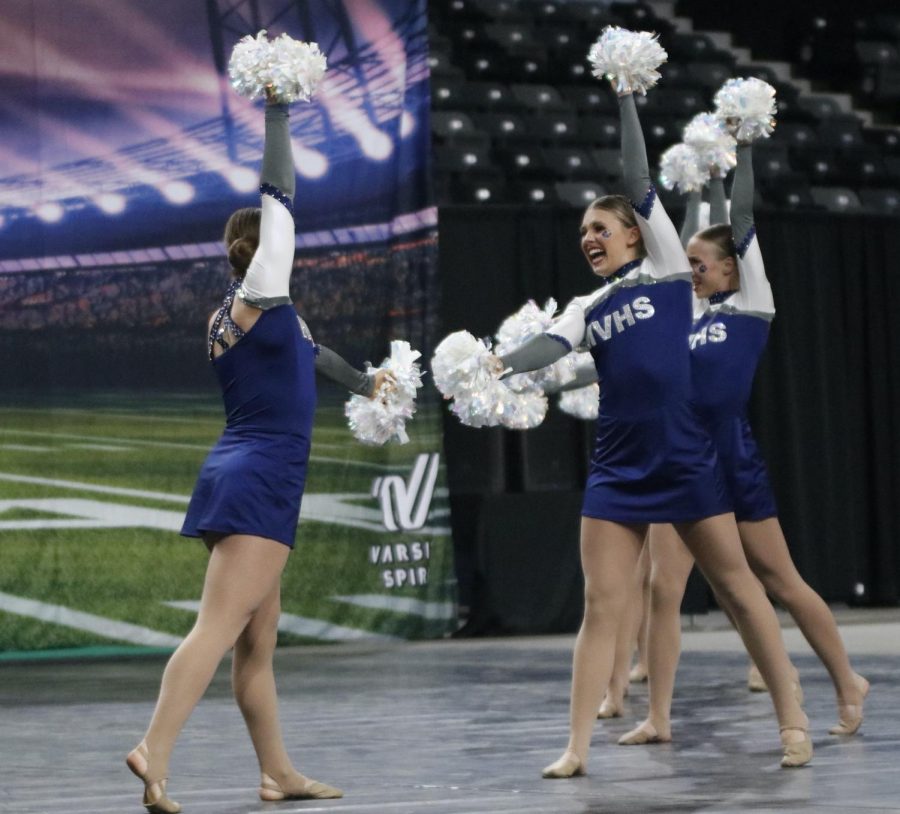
(750, 105)
(679, 166)
(714, 145)
(383, 418)
(526, 323)
(628, 58)
(583, 403)
(290, 68)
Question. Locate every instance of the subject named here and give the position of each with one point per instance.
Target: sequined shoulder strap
(223, 322)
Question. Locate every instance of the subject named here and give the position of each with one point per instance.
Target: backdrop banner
(123, 149)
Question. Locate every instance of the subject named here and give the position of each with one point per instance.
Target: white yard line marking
(305, 626)
(88, 622)
(103, 447)
(332, 508)
(26, 448)
(401, 604)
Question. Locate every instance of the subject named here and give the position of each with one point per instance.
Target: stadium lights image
(50, 212)
(177, 192)
(310, 163)
(112, 203)
(241, 179)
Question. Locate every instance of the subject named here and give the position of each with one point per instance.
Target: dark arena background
(430, 604)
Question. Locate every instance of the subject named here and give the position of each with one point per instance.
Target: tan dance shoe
(851, 715)
(609, 709)
(569, 765)
(155, 799)
(270, 791)
(795, 752)
(643, 735)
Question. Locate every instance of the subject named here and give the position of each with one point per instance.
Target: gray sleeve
(334, 367)
(584, 375)
(742, 195)
(691, 224)
(278, 160)
(718, 208)
(635, 167)
(536, 353)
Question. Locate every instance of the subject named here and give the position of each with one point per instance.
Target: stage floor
(455, 727)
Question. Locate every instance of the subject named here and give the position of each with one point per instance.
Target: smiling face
(711, 270)
(607, 242)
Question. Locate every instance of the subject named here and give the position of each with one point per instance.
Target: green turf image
(93, 488)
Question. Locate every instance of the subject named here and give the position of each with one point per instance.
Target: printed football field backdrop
(110, 264)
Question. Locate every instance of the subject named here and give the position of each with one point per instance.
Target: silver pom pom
(714, 145)
(680, 166)
(526, 323)
(628, 58)
(583, 403)
(747, 105)
(290, 68)
(383, 418)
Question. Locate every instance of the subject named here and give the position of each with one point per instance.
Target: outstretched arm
(742, 195)
(691, 224)
(718, 207)
(266, 283)
(635, 167)
(334, 367)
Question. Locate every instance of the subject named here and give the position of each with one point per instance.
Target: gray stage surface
(456, 727)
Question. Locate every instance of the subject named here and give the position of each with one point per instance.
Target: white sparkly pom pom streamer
(291, 68)
(679, 166)
(751, 104)
(628, 58)
(383, 418)
(526, 323)
(463, 371)
(583, 403)
(714, 145)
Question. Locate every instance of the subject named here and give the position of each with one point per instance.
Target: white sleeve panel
(755, 294)
(569, 325)
(662, 241)
(269, 274)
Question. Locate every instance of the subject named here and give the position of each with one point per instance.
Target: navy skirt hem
(199, 532)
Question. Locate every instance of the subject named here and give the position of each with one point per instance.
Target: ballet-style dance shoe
(155, 799)
(643, 735)
(795, 753)
(755, 681)
(851, 715)
(270, 791)
(638, 674)
(569, 765)
(609, 709)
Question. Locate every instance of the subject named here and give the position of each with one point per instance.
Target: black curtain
(826, 406)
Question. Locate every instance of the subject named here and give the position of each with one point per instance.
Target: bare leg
(770, 559)
(716, 547)
(609, 555)
(614, 700)
(242, 572)
(253, 680)
(670, 567)
(640, 670)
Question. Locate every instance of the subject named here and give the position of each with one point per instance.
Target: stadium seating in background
(518, 117)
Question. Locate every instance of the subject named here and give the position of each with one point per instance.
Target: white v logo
(406, 505)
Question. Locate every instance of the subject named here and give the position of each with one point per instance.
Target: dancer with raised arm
(733, 310)
(246, 502)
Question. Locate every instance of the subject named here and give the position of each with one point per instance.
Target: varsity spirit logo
(405, 503)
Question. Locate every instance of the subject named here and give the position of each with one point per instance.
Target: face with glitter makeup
(606, 242)
(710, 271)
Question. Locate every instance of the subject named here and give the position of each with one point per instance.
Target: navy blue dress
(729, 334)
(252, 481)
(653, 461)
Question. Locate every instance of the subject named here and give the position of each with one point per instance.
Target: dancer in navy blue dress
(653, 461)
(733, 308)
(246, 502)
